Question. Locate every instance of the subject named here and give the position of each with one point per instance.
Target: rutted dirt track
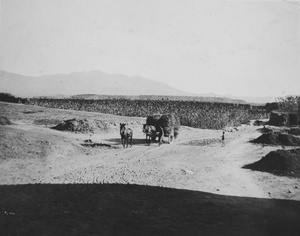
(38, 154)
(33, 153)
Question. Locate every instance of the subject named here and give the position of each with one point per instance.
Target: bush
(288, 103)
(7, 97)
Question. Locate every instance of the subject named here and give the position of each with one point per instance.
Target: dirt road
(55, 183)
(32, 153)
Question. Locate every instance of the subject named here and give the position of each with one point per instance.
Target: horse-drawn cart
(161, 126)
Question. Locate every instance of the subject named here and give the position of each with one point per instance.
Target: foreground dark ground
(114, 209)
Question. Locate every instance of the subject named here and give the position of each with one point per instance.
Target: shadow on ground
(135, 142)
(114, 209)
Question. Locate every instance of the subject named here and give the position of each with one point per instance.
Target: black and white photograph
(150, 117)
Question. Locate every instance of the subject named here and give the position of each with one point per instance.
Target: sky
(237, 48)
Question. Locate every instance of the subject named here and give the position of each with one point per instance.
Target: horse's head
(122, 127)
(145, 128)
(148, 129)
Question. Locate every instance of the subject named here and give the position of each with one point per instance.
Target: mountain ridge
(98, 83)
(92, 82)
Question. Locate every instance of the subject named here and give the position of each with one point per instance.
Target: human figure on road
(223, 139)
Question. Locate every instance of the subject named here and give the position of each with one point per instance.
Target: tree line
(195, 114)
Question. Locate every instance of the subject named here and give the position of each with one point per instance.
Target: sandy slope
(32, 153)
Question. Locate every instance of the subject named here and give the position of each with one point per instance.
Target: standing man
(223, 139)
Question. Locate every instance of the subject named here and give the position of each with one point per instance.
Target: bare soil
(59, 182)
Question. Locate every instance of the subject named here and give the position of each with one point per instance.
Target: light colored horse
(126, 135)
(152, 132)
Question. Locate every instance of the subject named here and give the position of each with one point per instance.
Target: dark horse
(126, 135)
(152, 132)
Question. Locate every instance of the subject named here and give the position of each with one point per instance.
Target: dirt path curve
(235, 155)
(195, 161)
(208, 168)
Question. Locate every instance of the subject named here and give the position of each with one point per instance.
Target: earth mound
(273, 138)
(280, 162)
(265, 130)
(82, 126)
(75, 125)
(5, 121)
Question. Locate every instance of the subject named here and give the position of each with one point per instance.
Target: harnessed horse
(152, 132)
(126, 135)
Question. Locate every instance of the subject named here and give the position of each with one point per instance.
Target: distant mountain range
(94, 82)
